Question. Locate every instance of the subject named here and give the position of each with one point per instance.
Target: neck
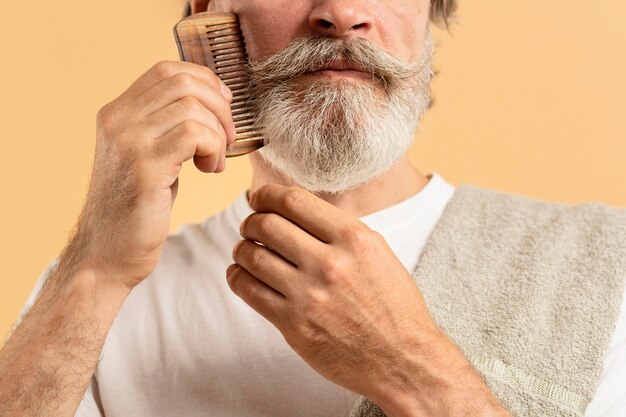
(402, 181)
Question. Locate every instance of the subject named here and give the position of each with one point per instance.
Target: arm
(436, 380)
(174, 112)
(349, 308)
(47, 363)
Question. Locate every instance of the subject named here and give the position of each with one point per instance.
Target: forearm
(47, 363)
(437, 381)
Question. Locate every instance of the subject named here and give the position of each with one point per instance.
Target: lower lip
(339, 74)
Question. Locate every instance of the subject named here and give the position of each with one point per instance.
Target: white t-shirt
(184, 345)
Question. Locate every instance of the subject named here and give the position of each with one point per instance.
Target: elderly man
(361, 286)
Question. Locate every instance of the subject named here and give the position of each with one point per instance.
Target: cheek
(403, 29)
(269, 26)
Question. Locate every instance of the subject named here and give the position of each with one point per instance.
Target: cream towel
(530, 293)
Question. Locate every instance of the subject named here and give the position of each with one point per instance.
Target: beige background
(530, 99)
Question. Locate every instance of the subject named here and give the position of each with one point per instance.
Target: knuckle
(103, 117)
(248, 291)
(355, 235)
(244, 227)
(213, 122)
(261, 194)
(105, 120)
(214, 81)
(163, 69)
(334, 268)
(214, 146)
(222, 107)
(266, 222)
(233, 279)
(190, 128)
(257, 255)
(237, 250)
(317, 301)
(249, 253)
(102, 113)
(266, 189)
(248, 225)
(182, 80)
(189, 104)
(293, 199)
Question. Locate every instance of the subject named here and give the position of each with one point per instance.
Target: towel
(530, 293)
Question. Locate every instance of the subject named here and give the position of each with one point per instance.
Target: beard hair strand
(333, 136)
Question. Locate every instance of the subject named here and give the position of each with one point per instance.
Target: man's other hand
(346, 304)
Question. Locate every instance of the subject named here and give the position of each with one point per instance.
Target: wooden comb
(214, 40)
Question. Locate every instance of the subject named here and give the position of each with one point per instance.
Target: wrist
(92, 257)
(77, 286)
(435, 378)
(97, 290)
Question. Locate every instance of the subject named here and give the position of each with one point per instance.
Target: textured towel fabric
(530, 293)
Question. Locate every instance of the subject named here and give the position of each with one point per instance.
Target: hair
(306, 126)
(441, 11)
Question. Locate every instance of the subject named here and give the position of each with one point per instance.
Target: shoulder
(535, 284)
(507, 200)
(500, 211)
(539, 246)
(478, 196)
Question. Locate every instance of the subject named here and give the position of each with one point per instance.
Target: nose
(342, 18)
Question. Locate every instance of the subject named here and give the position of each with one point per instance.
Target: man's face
(338, 86)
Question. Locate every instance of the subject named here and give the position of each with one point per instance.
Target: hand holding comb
(214, 40)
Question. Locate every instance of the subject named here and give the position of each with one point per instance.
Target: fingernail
(226, 91)
(233, 132)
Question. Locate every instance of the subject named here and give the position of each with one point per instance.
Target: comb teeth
(215, 40)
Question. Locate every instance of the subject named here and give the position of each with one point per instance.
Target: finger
(166, 69)
(221, 165)
(283, 237)
(178, 86)
(263, 299)
(184, 85)
(187, 108)
(191, 93)
(265, 265)
(187, 140)
(301, 207)
(211, 163)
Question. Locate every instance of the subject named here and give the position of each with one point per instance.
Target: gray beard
(333, 136)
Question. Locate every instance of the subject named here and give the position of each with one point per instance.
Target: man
(517, 301)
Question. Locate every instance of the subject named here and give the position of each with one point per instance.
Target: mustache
(314, 53)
